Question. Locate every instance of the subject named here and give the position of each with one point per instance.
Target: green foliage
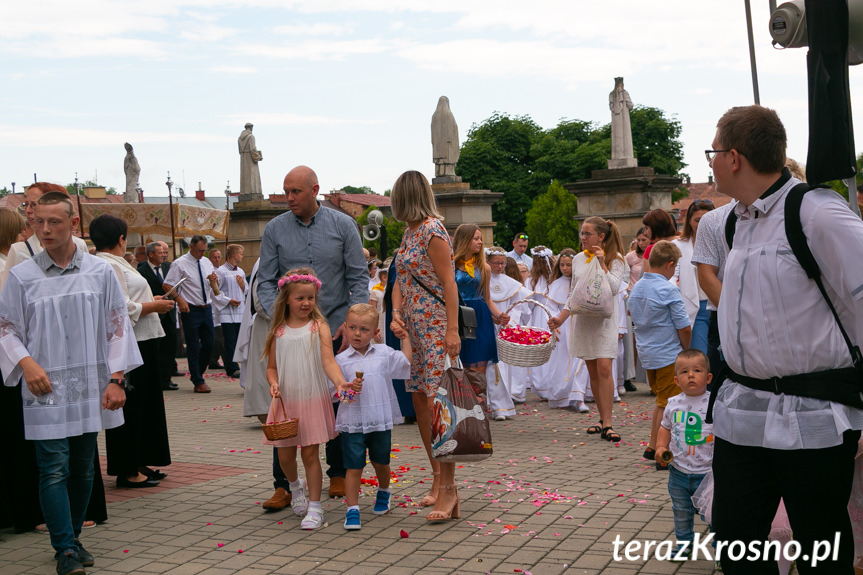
(5, 192)
(394, 228)
(357, 190)
(516, 156)
(839, 186)
(70, 188)
(678, 194)
(551, 220)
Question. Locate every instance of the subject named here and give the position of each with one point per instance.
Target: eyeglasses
(587, 234)
(25, 205)
(711, 154)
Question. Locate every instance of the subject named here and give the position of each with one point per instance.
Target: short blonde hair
(662, 253)
(412, 199)
(364, 309)
(232, 249)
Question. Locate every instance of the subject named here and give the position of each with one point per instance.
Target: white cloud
(208, 33)
(316, 29)
(317, 49)
(58, 136)
(288, 119)
(234, 70)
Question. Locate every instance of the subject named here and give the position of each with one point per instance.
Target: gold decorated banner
(193, 220)
(156, 219)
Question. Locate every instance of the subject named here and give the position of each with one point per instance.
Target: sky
(348, 87)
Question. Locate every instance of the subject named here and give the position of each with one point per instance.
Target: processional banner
(156, 219)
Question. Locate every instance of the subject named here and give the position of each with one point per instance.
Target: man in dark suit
(154, 270)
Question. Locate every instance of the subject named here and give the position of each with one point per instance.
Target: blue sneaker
(352, 519)
(382, 503)
(68, 563)
(84, 556)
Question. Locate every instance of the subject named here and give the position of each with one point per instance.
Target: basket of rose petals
(523, 345)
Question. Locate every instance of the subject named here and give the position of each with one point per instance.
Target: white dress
(555, 373)
(504, 292)
(535, 375)
(303, 386)
(591, 337)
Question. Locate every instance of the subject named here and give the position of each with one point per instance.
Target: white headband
(543, 253)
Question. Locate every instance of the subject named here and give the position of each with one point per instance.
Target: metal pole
(169, 183)
(752, 52)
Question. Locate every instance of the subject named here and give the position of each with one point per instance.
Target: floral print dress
(424, 315)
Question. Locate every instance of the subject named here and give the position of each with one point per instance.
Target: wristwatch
(120, 382)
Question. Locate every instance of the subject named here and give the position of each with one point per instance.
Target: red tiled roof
(704, 191)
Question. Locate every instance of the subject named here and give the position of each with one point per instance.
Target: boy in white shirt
(690, 440)
(366, 420)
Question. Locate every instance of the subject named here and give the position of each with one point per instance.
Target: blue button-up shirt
(657, 311)
(329, 244)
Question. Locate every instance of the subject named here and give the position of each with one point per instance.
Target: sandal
(649, 454)
(437, 515)
(299, 502)
(314, 519)
(595, 428)
(610, 435)
(430, 499)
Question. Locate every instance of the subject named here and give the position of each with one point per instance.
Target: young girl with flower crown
(300, 358)
(538, 282)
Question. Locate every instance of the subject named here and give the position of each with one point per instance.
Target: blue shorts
(354, 447)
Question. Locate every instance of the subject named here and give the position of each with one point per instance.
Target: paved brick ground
(551, 500)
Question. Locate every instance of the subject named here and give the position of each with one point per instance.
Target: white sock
(315, 506)
(350, 507)
(384, 489)
(296, 485)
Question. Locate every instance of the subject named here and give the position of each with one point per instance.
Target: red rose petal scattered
(403, 534)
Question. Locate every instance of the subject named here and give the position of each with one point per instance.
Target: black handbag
(466, 314)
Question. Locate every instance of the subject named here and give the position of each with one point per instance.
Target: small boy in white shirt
(366, 421)
(689, 439)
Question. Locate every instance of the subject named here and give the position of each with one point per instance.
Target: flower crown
(494, 252)
(543, 253)
(299, 278)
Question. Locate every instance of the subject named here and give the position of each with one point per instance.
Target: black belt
(843, 385)
(199, 306)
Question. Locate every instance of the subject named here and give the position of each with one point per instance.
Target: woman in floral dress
(425, 278)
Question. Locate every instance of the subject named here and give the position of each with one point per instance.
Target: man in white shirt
(232, 287)
(66, 333)
(783, 428)
(519, 247)
(195, 300)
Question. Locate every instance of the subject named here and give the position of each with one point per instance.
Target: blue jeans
(700, 328)
(65, 480)
(198, 332)
(681, 487)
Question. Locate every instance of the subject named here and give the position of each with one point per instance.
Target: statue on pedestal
(250, 174)
(620, 104)
(445, 150)
(133, 171)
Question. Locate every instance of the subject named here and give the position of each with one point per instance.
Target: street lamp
(170, 184)
(228, 196)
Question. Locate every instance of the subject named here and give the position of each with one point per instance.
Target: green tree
(551, 220)
(394, 228)
(5, 192)
(515, 156)
(89, 183)
(839, 186)
(356, 190)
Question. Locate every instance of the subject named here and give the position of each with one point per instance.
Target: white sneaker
(581, 407)
(621, 391)
(500, 418)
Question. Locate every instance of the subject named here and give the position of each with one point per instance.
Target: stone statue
(445, 149)
(622, 155)
(133, 170)
(250, 174)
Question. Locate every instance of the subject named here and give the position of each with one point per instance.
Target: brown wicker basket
(284, 429)
(525, 355)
